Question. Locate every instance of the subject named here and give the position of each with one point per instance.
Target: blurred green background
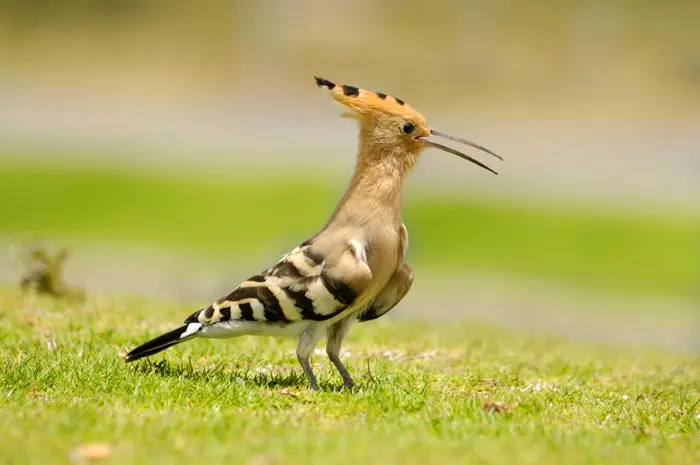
(177, 147)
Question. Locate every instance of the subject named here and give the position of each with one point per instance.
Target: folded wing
(305, 285)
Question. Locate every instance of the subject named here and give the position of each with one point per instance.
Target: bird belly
(235, 328)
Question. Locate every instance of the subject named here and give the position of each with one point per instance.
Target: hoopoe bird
(354, 268)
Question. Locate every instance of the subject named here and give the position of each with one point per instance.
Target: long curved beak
(433, 132)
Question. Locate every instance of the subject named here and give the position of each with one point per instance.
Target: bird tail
(164, 341)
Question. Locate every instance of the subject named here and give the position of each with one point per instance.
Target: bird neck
(374, 193)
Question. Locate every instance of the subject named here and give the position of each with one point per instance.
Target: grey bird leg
(307, 342)
(336, 333)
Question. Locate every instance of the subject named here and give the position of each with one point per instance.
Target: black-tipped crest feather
(320, 82)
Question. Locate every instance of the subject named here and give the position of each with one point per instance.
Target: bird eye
(408, 128)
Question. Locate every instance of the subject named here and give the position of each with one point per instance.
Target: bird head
(388, 123)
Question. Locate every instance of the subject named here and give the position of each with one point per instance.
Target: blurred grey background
(593, 104)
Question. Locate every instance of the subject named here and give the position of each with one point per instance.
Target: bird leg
(307, 342)
(336, 333)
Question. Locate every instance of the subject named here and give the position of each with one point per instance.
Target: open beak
(433, 132)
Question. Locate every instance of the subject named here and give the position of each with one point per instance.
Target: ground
(427, 394)
(433, 386)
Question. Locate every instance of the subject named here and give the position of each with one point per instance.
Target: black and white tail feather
(164, 341)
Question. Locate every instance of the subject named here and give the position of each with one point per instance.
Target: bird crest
(367, 102)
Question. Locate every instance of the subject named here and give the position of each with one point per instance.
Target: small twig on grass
(497, 407)
(93, 451)
(43, 272)
(287, 392)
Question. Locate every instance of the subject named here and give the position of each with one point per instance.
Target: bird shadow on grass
(218, 374)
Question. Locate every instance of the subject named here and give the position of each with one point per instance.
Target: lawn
(235, 213)
(427, 394)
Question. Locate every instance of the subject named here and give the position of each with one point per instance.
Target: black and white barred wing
(305, 285)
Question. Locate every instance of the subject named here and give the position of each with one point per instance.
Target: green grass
(243, 213)
(246, 401)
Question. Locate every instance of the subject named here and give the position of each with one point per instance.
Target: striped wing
(303, 286)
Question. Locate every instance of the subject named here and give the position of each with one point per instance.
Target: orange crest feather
(365, 101)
